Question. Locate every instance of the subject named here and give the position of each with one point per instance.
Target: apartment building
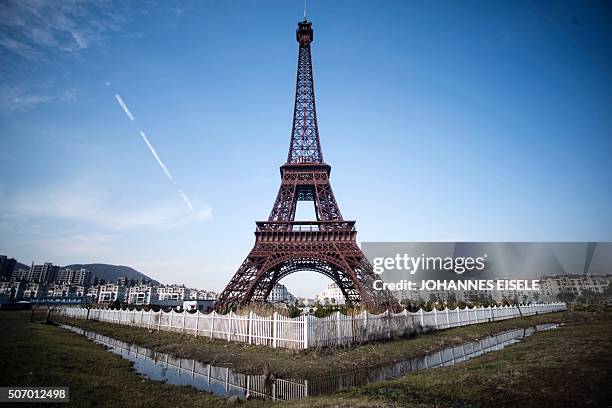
(280, 294)
(111, 292)
(34, 291)
(142, 294)
(80, 277)
(171, 292)
(552, 286)
(331, 295)
(45, 273)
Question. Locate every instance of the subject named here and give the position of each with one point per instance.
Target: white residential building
(64, 275)
(549, 289)
(142, 294)
(45, 273)
(552, 286)
(12, 290)
(331, 295)
(61, 291)
(34, 291)
(20, 274)
(111, 292)
(466, 295)
(207, 294)
(280, 294)
(74, 277)
(191, 294)
(93, 292)
(199, 294)
(171, 292)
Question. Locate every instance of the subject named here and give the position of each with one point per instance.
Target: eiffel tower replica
(284, 245)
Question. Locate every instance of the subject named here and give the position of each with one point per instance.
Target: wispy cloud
(38, 37)
(17, 99)
(19, 47)
(22, 97)
(79, 202)
(64, 248)
(78, 246)
(32, 28)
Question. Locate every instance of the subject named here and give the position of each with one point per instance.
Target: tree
(294, 311)
(589, 296)
(324, 311)
(607, 293)
(49, 307)
(452, 298)
(567, 297)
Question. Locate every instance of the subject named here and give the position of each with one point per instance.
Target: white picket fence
(307, 331)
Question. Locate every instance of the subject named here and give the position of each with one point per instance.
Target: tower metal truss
(284, 245)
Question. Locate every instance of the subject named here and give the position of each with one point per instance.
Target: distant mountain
(112, 272)
(19, 265)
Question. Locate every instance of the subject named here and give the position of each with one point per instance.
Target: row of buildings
(52, 283)
(165, 295)
(48, 281)
(551, 288)
(147, 294)
(45, 273)
(575, 285)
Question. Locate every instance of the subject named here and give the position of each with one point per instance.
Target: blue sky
(484, 121)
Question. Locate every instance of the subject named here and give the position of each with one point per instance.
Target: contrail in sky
(154, 152)
(124, 107)
(187, 200)
(152, 149)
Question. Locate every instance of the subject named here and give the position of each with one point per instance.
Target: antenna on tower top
(304, 10)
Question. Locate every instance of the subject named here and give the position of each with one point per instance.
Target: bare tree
(50, 308)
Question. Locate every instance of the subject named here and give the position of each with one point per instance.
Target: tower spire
(305, 145)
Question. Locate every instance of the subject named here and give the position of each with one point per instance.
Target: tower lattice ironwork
(284, 245)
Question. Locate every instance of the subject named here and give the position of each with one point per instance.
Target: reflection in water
(227, 382)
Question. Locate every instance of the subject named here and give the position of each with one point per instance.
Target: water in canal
(224, 381)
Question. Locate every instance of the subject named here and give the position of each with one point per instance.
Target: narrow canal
(224, 381)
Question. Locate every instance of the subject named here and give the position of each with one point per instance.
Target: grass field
(37, 354)
(570, 366)
(567, 367)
